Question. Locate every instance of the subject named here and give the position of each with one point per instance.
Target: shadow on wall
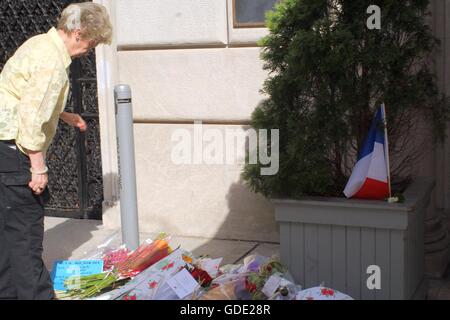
(250, 215)
(249, 225)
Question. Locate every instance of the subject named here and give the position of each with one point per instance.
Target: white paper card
(211, 266)
(272, 284)
(183, 283)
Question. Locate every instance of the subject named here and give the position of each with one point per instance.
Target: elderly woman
(33, 91)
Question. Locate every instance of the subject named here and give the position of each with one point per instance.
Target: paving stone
(264, 249)
(71, 238)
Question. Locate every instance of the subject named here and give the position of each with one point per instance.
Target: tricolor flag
(370, 178)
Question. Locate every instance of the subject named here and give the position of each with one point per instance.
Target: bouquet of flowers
(89, 286)
(256, 279)
(121, 266)
(143, 257)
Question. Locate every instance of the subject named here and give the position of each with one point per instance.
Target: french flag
(370, 176)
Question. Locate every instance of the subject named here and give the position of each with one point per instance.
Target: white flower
(393, 199)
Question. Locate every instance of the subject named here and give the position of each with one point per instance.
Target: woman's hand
(74, 120)
(38, 182)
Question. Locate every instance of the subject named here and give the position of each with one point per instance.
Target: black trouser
(23, 274)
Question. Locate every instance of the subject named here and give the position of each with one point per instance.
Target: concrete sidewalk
(74, 239)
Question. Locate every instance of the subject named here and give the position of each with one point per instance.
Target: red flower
(251, 287)
(201, 276)
(153, 284)
(327, 292)
(268, 268)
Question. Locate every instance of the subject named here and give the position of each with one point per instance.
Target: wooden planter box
(332, 241)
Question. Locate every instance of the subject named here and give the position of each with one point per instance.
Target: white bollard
(127, 166)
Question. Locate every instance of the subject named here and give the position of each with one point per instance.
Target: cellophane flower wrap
(114, 257)
(143, 257)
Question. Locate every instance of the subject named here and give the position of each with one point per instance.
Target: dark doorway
(74, 158)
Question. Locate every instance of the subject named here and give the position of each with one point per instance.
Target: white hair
(89, 17)
(73, 21)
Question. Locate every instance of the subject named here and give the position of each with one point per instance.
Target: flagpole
(386, 148)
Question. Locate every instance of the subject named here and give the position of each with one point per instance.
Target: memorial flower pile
(156, 272)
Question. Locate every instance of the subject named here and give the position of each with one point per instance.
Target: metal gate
(74, 158)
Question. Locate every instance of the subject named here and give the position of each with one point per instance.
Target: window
(251, 13)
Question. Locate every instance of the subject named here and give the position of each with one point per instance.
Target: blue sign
(63, 269)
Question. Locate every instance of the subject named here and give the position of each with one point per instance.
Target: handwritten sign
(63, 269)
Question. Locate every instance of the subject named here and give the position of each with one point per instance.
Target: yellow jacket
(34, 86)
